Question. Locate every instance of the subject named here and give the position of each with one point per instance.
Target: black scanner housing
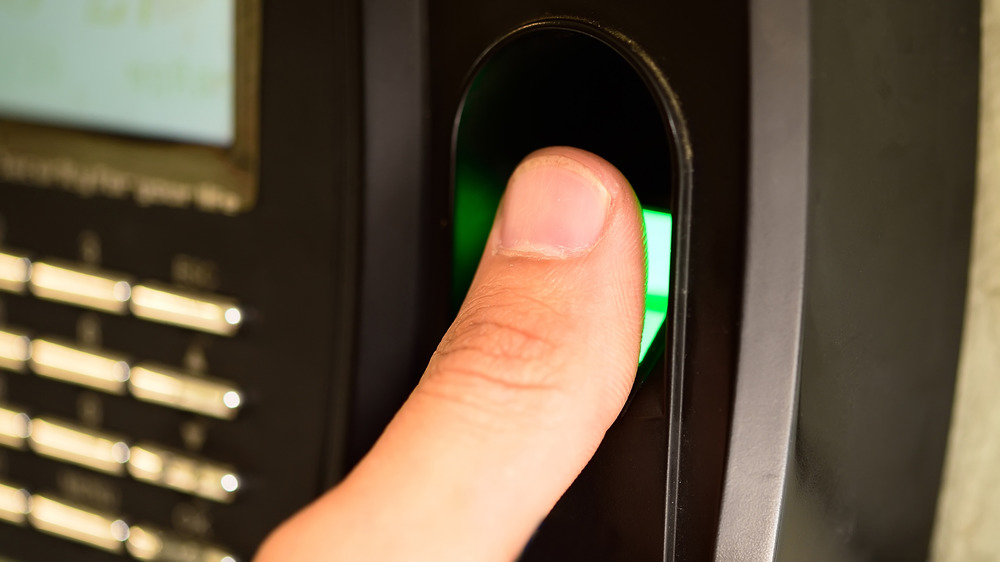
(819, 161)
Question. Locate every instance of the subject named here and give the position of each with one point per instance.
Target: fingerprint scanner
(565, 85)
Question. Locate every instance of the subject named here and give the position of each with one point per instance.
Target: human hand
(518, 395)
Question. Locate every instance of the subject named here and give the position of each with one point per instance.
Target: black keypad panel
(88, 445)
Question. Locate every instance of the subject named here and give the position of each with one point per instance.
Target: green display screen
(151, 68)
(476, 202)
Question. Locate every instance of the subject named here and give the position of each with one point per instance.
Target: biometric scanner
(790, 404)
(210, 309)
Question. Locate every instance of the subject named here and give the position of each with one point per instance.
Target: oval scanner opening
(554, 86)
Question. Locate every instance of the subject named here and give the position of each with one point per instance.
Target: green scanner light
(476, 201)
(659, 228)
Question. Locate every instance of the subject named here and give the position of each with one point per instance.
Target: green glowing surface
(658, 233)
(477, 197)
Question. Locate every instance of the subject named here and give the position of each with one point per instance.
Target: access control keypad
(118, 373)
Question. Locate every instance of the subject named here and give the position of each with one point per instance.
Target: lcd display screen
(161, 69)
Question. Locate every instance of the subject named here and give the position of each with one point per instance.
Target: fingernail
(554, 207)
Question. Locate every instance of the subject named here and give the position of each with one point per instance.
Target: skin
(519, 393)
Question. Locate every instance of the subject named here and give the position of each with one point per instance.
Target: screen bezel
(151, 172)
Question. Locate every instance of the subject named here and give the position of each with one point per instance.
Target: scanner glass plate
(564, 87)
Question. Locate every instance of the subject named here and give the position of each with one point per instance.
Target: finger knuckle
(502, 355)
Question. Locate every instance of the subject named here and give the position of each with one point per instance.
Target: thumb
(521, 390)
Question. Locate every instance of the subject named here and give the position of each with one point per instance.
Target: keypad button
(13, 503)
(100, 370)
(15, 271)
(67, 442)
(81, 286)
(203, 395)
(163, 467)
(15, 427)
(198, 311)
(15, 350)
(80, 524)
(147, 542)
